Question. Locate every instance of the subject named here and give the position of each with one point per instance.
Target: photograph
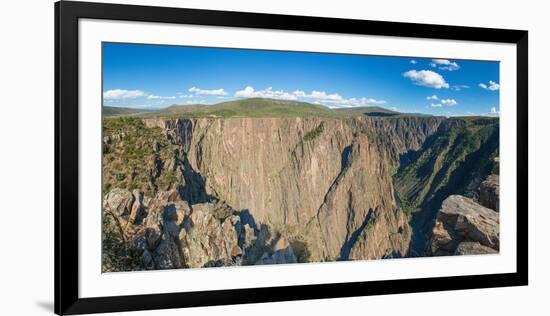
(223, 157)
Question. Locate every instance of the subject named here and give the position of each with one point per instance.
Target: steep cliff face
(326, 182)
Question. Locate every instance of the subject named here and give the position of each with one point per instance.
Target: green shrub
(301, 250)
(314, 133)
(117, 254)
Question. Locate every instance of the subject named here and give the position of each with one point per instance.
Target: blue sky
(156, 76)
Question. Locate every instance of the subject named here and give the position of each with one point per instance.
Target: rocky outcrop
(463, 221)
(489, 192)
(175, 235)
(206, 241)
(473, 248)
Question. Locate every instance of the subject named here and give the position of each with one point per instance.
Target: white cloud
(249, 92)
(322, 95)
(449, 102)
(198, 91)
(352, 102)
(186, 96)
(299, 93)
(158, 97)
(118, 94)
(433, 97)
(494, 111)
(413, 61)
(460, 87)
(436, 105)
(315, 96)
(444, 64)
(426, 78)
(492, 86)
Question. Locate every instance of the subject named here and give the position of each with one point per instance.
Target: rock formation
(465, 227)
(489, 192)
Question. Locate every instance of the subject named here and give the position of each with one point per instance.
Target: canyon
(184, 191)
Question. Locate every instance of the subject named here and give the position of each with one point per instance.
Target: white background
(26, 265)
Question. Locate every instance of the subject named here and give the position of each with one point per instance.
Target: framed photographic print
(208, 157)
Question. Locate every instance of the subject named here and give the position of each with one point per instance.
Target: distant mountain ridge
(256, 107)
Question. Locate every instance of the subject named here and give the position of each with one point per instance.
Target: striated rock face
(360, 203)
(461, 220)
(291, 181)
(489, 192)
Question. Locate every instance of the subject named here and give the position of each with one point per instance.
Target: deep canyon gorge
(190, 192)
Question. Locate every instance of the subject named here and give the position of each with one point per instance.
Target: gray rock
(473, 248)
(119, 202)
(462, 219)
(137, 212)
(489, 192)
(205, 241)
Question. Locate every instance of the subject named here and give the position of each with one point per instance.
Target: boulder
(461, 219)
(473, 248)
(205, 240)
(119, 202)
(489, 195)
(167, 254)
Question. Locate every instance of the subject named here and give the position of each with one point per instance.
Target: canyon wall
(325, 182)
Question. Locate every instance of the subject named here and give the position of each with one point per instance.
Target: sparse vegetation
(314, 133)
(462, 151)
(301, 250)
(118, 255)
(134, 156)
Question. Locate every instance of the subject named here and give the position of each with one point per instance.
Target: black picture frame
(67, 15)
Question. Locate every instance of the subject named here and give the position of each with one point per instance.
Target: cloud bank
(198, 91)
(333, 100)
(444, 64)
(118, 94)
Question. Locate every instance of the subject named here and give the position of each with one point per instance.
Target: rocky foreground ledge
(165, 232)
(465, 227)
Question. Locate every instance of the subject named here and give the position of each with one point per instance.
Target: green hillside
(261, 107)
(255, 107)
